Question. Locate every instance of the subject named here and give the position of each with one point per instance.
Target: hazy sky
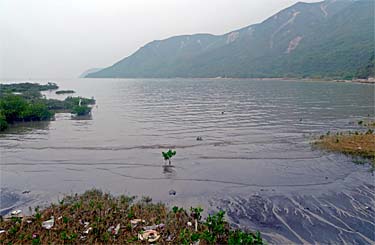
(63, 38)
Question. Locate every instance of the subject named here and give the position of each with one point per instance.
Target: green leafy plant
(81, 110)
(168, 155)
(216, 226)
(241, 237)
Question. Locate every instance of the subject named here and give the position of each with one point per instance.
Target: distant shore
(370, 80)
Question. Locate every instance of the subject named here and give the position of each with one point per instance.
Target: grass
(356, 144)
(92, 218)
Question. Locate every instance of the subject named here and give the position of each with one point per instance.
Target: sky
(43, 39)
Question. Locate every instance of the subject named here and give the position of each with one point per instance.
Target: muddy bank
(342, 217)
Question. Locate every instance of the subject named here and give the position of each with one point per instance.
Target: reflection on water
(261, 143)
(23, 128)
(169, 171)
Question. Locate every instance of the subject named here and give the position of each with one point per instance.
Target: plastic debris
(189, 223)
(134, 222)
(2, 231)
(86, 224)
(29, 221)
(169, 238)
(199, 138)
(59, 218)
(35, 235)
(88, 230)
(149, 236)
(154, 227)
(117, 229)
(16, 212)
(48, 224)
(172, 192)
(114, 230)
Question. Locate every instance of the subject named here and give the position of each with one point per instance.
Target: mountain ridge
(326, 39)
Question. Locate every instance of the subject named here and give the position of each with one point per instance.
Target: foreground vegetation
(95, 217)
(24, 102)
(356, 144)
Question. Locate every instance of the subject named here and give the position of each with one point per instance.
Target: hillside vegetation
(332, 39)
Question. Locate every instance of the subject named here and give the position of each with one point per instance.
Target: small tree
(168, 155)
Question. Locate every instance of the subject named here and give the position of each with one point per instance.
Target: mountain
(324, 39)
(87, 72)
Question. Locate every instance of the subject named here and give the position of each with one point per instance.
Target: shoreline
(363, 81)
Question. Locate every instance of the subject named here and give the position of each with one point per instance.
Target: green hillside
(324, 39)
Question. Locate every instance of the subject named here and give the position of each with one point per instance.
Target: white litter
(87, 231)
(150, 236)
(16, 212)
(48, 224)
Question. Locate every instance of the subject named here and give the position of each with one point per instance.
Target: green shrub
(12, 107)
(36, 112)
(3, 122)
(81, 110)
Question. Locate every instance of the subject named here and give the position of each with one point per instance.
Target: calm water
(259, 146)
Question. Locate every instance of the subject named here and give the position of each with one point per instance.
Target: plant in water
(168, 155)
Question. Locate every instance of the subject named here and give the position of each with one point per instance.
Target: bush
(3, 122)
(12, 107)
(36, 112)
(81, 110)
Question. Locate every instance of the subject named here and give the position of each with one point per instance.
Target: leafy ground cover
(97, 217)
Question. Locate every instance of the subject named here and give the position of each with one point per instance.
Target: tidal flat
(255, 160)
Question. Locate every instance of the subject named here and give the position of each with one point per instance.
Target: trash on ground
(29, 221)
(149, 236)
(169, 238)
(25, 192)
(172, 192)
(2, 231)
(154, 227)
(117, 229)
(88, 230)
(86, 224)
(189, 223)
(114, 230)
(134, 222)
(199, 138)
(16, 212)
(48, 224)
